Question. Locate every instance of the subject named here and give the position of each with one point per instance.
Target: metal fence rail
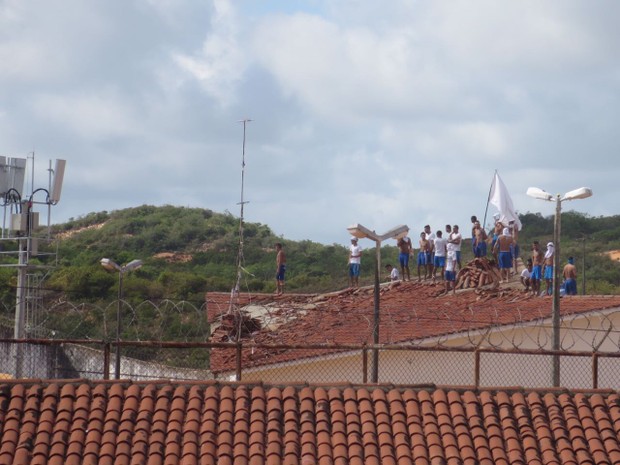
(397, 364)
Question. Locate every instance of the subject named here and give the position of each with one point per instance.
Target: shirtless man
(424, 255)
(474, 220)
(570, 277)
(503, 247)
(537, 261)
(548, 268)
(496, 234)
(280, 268)
(514, 230)
(430, 237)
(480, 240)
(405, 250)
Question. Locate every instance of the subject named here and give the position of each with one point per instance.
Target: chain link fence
(401, 365)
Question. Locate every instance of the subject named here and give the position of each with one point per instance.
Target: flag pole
(486, 210)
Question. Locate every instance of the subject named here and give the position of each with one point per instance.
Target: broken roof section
(411, 313)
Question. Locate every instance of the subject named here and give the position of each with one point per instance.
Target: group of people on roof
(441, 251)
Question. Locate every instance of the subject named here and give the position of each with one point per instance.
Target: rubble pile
(480, 273)
(239, 324)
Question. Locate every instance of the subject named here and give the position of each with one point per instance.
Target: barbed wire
(164, 320)
(182, 321)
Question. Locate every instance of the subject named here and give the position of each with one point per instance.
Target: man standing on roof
(441, 248)
(570, 277)
(454, 243)
(355, 260)
(480, 241)
(280, 269)
(450, 276)
(424, 255)
(405, 251)
(514, 231)
(474, 220)
(538, 259)
(548, 268)
(503, 247)
(430, 237)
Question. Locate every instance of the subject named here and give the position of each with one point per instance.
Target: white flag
(500, 198)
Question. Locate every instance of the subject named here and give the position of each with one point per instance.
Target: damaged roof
(408, 311)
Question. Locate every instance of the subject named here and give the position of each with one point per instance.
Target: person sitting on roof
(393, 272)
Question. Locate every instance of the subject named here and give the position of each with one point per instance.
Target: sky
(377, 113)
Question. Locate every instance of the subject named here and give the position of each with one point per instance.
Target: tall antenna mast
(235, 290)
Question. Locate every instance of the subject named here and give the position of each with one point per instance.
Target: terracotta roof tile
(150, 424)
(415, 312)
(605, 426)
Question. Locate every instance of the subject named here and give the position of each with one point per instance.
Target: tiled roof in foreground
(121, 423)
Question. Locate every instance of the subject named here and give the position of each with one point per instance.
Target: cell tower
(23, 238)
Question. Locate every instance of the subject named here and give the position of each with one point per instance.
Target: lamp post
(359, 231)
(113, 266)
(581, 193)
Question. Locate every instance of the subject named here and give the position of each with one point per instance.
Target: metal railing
(323, 363)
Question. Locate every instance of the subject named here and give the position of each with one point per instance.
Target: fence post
(106, 360)
(239, 347)
(594, 370)
(477, 368)
(364, 364)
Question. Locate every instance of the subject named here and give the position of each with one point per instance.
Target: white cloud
(220, 63)
(89, 116)
(379, 113)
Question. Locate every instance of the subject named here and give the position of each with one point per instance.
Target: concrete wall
(458, 368)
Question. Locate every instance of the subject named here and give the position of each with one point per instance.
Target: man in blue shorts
(405, 250)
(480, 241)
(280, 269)
(355, 260)
(424, 255)
(537, 261)
(503, 245)
(439, 260)
(570, 277)
(450, 272)
(548, 268)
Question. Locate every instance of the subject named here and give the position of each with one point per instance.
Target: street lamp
(361, 232)
(113, 266)
(581, 193)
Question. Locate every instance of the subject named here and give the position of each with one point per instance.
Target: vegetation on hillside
(190, 251)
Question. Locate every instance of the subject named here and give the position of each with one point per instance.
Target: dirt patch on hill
(614, 254)
(174, 257)
(72, 232)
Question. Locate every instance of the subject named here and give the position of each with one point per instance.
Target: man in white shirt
(393, 272)
(430, 237)
(454, 244)
(450, 273)
(441, 248)
(526, 276)
(355, 260)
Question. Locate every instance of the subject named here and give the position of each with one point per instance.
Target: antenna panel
(4, 176)
(59, 174)
(17, 173)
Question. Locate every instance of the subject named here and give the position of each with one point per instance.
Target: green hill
(189, 251)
